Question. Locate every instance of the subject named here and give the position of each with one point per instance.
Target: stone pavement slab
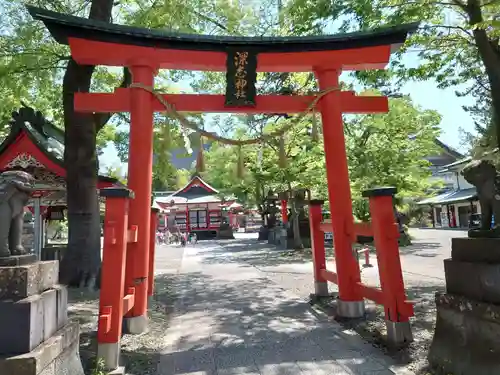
(230, 319)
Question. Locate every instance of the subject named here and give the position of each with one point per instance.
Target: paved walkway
(231, 319)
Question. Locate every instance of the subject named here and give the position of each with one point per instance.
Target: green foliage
(387, 149)
(116, 171)
(220, 171)
(58, 229)
(32, 64)
(457, 44)
(360, 208)
(183, 177)
(99, 368)
(417, 214)
(382, 149)
(390, 149)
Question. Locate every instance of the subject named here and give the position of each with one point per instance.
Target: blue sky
(428, 96)
(447, 104)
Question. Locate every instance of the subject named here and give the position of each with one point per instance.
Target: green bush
(99, 368)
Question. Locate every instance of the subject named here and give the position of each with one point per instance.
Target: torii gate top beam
(95, 43)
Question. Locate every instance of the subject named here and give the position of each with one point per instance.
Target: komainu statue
(15, 190)
(484, 176)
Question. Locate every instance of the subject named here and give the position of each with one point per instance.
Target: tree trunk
(80, 265)
(489, 51)
(297, 238)
(294, 213)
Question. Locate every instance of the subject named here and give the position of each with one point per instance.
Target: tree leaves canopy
(393, 145)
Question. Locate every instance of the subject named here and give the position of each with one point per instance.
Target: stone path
(231, 319)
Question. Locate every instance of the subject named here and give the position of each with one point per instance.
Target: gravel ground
(293, 271)
(139, 352)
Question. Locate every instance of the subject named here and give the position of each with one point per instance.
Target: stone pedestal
(271, 236)
(263, 233)
(18, 260)
(467, 335)
(282, 238)
(35, 335)
(225, 232)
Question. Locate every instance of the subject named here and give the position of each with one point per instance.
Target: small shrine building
(197, 207)
(36, 146)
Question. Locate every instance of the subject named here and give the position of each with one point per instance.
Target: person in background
(173, 228)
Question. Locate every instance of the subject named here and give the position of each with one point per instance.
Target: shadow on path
(422, 249)
(420, 288)
(259, 253)
(229, 319)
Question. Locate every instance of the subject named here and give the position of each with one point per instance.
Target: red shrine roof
(195, 188)
(92, 42)
(195, 192)
(37, 146)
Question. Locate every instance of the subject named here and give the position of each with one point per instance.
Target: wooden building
(197, 207)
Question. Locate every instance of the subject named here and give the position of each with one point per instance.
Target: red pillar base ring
(135, 325)
(350, 309)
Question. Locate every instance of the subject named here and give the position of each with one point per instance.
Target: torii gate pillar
(350, 303)
(140, 171)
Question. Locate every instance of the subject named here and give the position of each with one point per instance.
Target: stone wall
(36, 337)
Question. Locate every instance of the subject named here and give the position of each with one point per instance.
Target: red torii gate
(144, 52)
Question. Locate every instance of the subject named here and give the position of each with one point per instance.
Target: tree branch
(448, 27)
(33, 69)
(100, 119)
(211, 20)
(124, 117)
(417, 3)
(460, 4)
(492, 2)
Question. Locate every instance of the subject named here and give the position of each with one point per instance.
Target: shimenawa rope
(237, 142)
